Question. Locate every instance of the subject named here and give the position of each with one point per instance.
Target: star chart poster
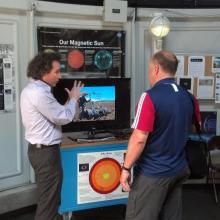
(85, 53)
(98, 177)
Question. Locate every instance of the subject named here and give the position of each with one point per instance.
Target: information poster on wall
(196, 66)
(215, 64)
(180, 69)
(98, 176)
(6, 77)
(205, 87)
(186, 82)
(85, 53)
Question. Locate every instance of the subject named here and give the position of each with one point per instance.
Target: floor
(198, 204)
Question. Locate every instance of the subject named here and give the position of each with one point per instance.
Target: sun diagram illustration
(75, 59)
(104, 176)
(103, 59)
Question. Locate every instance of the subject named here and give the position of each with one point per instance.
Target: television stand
(95, 139)
(93, 136)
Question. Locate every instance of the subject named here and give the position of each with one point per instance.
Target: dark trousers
(156, 198)
(47, 166)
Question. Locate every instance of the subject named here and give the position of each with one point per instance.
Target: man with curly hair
(42, 117)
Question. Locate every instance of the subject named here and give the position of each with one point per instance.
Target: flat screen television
(104, 104)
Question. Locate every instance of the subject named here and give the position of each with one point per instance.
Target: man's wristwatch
(125, 168)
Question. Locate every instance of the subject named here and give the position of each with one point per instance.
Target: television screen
(104, 104)
(96, 103)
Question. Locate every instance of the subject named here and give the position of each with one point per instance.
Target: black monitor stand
(94, 135)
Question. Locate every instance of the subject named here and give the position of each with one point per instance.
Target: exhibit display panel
(91, 175)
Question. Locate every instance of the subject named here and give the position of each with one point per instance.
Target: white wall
(14, 166)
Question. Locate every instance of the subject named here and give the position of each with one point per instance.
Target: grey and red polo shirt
(166, 112)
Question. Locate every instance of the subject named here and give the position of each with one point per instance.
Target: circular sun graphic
(104, 176)
(75, 59)
(103, 59)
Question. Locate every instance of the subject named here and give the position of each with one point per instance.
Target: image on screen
(96, 103)
(209, 122)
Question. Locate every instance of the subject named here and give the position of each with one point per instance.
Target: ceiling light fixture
(159, 27)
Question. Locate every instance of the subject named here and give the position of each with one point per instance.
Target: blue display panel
(72, 169)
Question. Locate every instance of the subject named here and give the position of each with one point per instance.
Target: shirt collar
(43, 84)
(166, 80)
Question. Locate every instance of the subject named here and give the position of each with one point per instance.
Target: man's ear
(156, 69)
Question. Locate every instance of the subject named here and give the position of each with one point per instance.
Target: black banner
(85, 53)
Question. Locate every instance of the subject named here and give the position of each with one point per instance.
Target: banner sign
(85, 53)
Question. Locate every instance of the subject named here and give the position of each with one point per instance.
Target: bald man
(156, 147)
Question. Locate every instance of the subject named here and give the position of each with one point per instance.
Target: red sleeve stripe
(140, 104)
(197, 110)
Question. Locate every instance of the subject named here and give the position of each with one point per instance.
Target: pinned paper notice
(205, 87)
(196, 66)
(7, 70)
(180, 69)
(216, 64)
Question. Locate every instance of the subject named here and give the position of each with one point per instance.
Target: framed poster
(85, 53)
(215, 64)
(186, 82)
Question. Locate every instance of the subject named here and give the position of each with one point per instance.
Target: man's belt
(42, 146)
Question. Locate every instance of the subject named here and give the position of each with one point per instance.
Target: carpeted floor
(198, 204)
